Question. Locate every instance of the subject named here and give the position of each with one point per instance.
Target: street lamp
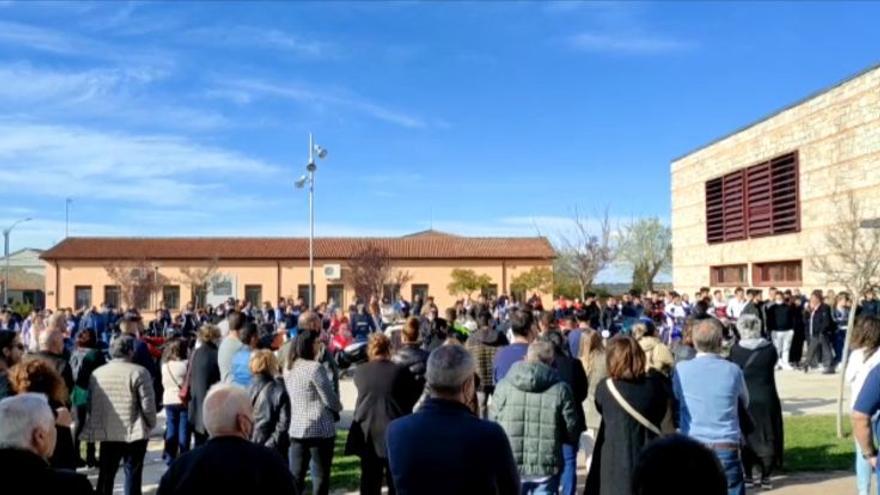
(6, 232)
(309, 178)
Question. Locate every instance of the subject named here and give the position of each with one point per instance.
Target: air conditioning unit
(333, 272)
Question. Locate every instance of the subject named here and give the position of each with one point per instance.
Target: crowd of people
(495, 396)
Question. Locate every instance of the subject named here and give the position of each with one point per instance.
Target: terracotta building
(264, 269)
(753, 207)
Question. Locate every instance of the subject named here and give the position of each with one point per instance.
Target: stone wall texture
(837, 136)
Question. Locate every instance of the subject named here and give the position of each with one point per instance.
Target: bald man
(229, 462)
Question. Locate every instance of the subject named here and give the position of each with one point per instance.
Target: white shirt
(857, 370)
(735, 307)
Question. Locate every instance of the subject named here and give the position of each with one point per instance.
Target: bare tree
(137, 281)
(645, 245)
(587, 251)
(850, 259)
(370, 269)
(200, 279)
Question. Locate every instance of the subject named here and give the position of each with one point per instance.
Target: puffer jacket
(657, 355)
(122, 404)
(537, 412)
(271, 413)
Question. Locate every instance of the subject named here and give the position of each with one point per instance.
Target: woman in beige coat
(658, 355)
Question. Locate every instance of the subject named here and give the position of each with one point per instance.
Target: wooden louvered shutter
(715, 211)
(734, 206)
(759, 206)
(784, 179)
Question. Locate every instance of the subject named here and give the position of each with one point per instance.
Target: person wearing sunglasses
(11, 351)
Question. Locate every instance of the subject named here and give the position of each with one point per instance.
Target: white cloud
(74, 45)
(626, 43)
(111, 93)
(154, 170)
(24, 83)
(252, 36)
(256, 88)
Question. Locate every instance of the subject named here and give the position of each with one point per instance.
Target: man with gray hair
(229, 462)
(711, 392)
(121, 415)
(537, 411)
(27, 440)
(444, 448)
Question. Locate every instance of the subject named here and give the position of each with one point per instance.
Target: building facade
(260, 270)
(752, 209)
(27, 273)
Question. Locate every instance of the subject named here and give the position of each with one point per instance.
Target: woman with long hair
(629, 389)
(270, 403)
(174, 369)
(864, 358)
(385, 393)
(38, 376)
(313, 427)
(84, 360)
(592, 356)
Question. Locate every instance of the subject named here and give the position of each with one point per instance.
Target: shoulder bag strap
(171, 374)
(630, 410)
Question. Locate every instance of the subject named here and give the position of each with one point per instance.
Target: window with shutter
(786, 209)
(777, 273)
(734, 211)
(715, 210)
(728, 275)
(757, 201)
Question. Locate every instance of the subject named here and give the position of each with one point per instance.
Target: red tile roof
(419, 247)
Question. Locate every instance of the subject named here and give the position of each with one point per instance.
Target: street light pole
(314, 149)
(67, 217)
(6, 233)
(311, 169)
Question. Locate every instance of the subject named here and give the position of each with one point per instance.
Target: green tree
(645, 245)
(537, 279)
(465, 281)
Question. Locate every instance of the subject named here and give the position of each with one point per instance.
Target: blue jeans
(569, 469)
(733, 471)
(863, 473)
(549, 487)
(177, 434)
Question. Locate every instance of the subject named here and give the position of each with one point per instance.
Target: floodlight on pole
(6, 233)
(309, 178)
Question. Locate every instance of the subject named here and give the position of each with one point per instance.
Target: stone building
(265, 269)
(752, 208)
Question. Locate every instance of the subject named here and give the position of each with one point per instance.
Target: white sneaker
(787, 367)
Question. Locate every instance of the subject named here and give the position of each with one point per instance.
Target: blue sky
(489, 119)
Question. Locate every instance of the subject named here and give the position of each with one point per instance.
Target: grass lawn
(345, 474)
(812, 445)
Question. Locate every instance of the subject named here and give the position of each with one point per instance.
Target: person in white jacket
(865, 356)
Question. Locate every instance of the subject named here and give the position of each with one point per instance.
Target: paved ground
(801, 394)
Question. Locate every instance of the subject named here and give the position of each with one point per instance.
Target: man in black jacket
(28, 436)
(820, 327)
(229, 462)
(444, 448)
(780, 321)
